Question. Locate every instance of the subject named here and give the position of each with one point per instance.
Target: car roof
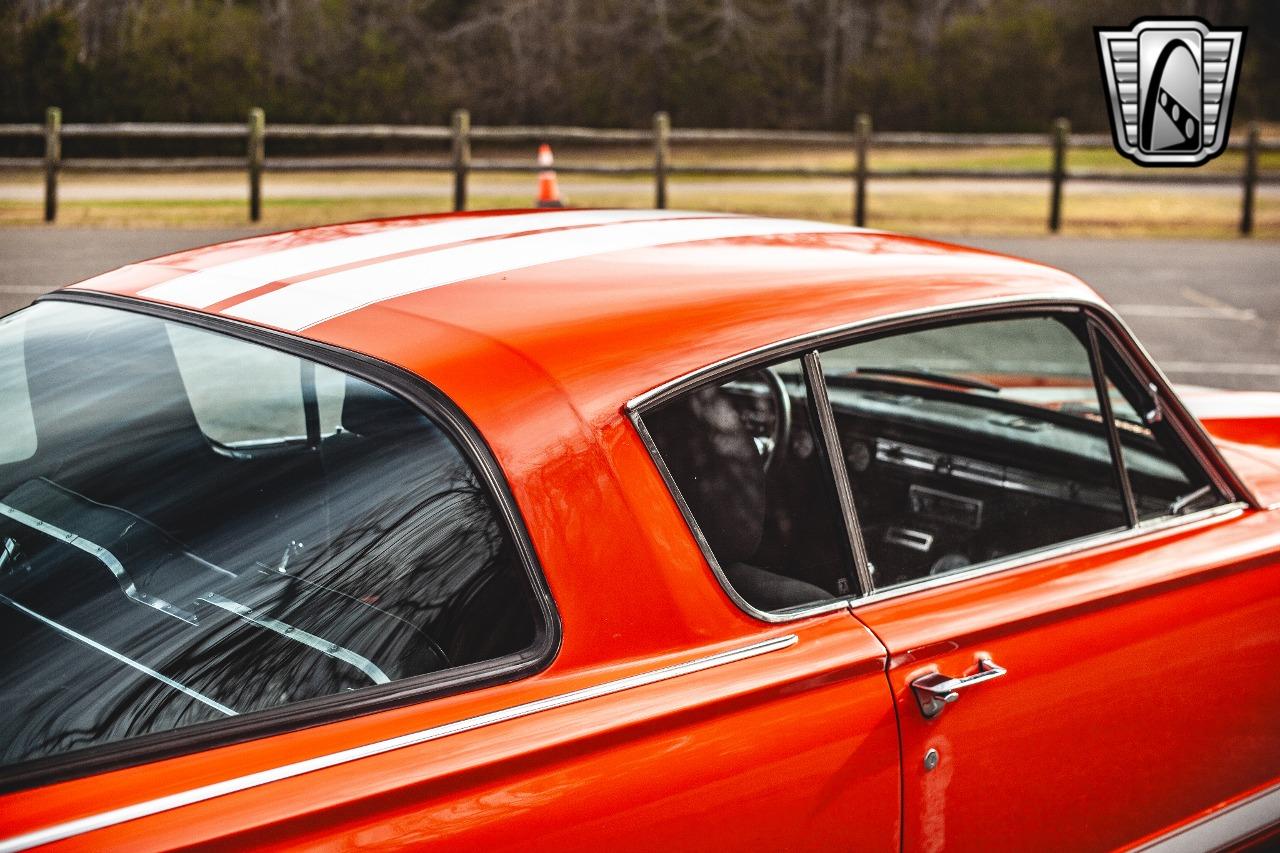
(594, 306)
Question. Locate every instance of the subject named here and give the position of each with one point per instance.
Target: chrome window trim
(1204, 517)
(1111, 324)
(1101, 314)
(1232, 824)
(424, 396)
(1118, 469)
(70, 829)
(833, 456)
(821, 338)
(1187, 426)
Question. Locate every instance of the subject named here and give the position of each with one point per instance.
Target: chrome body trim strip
(70, 829)
(112, 653)
(284, 629)
(121, 574)
(1229, 825)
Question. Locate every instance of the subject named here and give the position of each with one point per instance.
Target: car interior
(752, 481)
(947, 471)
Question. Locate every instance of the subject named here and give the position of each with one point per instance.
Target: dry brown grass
(206, 200)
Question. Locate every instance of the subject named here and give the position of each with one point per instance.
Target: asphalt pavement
(1208, 310)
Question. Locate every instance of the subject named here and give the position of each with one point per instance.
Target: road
(1208, 310)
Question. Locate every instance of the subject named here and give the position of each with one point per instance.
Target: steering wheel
(780, 437)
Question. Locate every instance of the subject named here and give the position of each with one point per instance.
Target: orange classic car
(575, 529)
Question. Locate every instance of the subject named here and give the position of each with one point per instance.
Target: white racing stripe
(205, 287)
(306, 303)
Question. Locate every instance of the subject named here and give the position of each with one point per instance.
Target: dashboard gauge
(859, 456)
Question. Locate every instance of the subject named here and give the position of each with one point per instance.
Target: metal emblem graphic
(1171, 83)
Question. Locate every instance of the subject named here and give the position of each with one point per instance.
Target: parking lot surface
(1208, 310)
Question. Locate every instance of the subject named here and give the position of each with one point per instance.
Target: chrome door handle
(935, 690)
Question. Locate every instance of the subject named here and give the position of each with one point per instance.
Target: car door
(1079, 636)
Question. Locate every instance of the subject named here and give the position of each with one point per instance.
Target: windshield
(195, 527)
(1024, 380)
(1036, 361)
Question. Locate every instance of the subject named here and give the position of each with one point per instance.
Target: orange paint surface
(1140, 686)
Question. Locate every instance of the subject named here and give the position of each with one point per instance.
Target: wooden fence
(461, 134)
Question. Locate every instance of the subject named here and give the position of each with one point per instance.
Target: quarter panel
(795, 748)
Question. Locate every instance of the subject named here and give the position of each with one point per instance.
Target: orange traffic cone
(548, 186)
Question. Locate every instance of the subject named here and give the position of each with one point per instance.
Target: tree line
(957, 65)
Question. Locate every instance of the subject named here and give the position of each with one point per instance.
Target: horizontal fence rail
(861, 142)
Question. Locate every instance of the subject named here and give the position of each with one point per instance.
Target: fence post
(52, 161)
(461, 157)
(661, 154)
(1061, 132)
(256, 153)
(1250, 179)
(861, 142)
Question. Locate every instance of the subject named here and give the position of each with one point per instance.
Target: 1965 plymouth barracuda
(624, 530)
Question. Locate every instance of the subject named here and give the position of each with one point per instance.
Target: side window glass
(1164, 476)
(972, 442)
(744, 457)
(153, 579)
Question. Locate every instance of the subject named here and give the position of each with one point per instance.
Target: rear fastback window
(195, 527)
